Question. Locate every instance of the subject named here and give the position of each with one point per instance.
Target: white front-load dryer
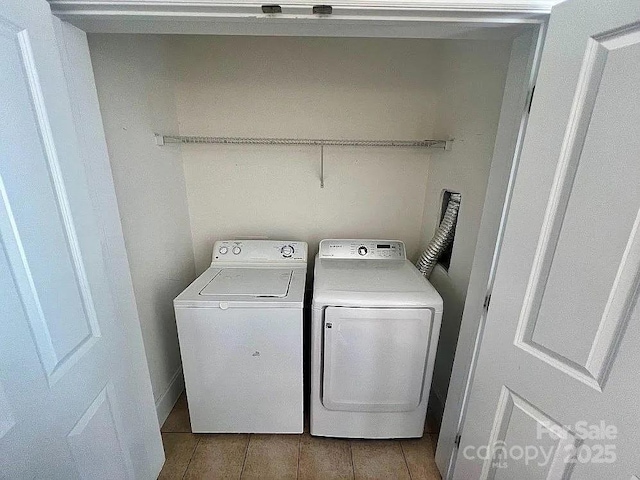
(375, 327)
(240, 327)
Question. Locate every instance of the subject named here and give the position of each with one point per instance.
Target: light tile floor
(284, 457)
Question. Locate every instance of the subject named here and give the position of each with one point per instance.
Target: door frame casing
(518, 94)
(485, 19)
(419, 19)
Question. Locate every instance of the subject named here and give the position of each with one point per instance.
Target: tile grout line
(353, 465)
(193, 453)
(299, 448)
(405, 460)
(246, 452)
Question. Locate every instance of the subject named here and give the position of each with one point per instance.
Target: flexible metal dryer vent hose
(442, 238)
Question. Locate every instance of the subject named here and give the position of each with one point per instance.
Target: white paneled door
(556, 393)
(75, 398)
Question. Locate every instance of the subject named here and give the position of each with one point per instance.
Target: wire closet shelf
(188, 139)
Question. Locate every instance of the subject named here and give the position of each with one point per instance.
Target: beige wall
(264, 191)
(305, 88)
(473, 75)
(176, 201)
(136, 94)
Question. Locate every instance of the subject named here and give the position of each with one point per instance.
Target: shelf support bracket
(321, 166)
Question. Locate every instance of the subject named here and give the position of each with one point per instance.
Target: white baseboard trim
(168, 399)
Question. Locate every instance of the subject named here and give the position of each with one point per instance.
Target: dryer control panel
(259, 251)
(362, 249)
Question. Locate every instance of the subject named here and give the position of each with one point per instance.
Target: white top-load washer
(375, 327)
(240, 332)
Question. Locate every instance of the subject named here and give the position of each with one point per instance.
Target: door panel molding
(566, 440)
(7, 418)
(593, 371)
(96, 436)
(53, 361)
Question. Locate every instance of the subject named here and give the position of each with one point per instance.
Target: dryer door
(375, 358)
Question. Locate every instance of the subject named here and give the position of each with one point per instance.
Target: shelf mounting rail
(188, 139)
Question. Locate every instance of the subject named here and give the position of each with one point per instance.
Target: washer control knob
(223, 250)
(287, 251)
(362, 250)
(236, 250)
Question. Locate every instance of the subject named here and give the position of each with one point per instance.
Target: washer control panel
(362, 249)
(250, 251)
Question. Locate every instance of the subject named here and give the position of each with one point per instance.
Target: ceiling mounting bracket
(322, 9)
(271, 9)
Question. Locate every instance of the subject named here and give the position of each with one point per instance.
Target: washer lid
(253, 282)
